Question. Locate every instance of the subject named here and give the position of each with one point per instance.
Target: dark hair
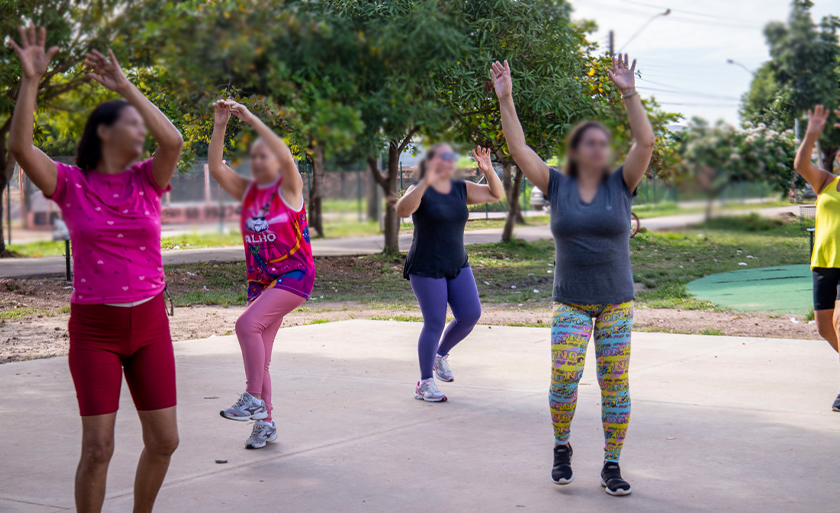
(430, 154)
(89, 151)
(574, 140)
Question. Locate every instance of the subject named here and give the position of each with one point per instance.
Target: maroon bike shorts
(105, 340)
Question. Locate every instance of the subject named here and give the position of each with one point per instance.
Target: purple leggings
(433, 294)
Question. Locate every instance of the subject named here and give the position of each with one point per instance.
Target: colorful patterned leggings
(571, 328)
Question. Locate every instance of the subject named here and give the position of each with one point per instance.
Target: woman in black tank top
(437, 263)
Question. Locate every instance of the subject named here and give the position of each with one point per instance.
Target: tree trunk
(513, 187)
(316, 219)
(373, 198)
(388, 184)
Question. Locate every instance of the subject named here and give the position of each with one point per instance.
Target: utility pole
(612, 43)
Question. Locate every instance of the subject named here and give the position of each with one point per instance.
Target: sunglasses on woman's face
(447, 157)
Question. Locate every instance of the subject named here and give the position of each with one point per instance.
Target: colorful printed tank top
(277, 249)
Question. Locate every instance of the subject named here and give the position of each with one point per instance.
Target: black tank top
(437, 249)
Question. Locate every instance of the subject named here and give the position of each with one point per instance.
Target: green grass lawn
(669, 208)
(522, 272)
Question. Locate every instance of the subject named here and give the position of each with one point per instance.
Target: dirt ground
(36, 313)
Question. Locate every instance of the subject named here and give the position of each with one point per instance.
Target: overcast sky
(683, 56)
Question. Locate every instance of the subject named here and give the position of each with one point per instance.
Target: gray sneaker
(247, 407)
(427, 391)
(442, 370)
(262, 433)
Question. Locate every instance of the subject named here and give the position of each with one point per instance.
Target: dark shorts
(107, 340)
(826, 291)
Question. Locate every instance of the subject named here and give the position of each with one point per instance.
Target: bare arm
(527, 159)
(107, 71)
(292, 186)
(233, 183)
(410, 201)
(816, 177)
(638, 158)
(492, 191)
(34, 60)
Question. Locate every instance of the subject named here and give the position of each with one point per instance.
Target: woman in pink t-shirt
(278, 257)
(117, 313)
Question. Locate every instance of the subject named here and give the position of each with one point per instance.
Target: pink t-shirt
(114, 223)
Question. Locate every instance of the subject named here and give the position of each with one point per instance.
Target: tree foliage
(804, 71)
(716, 157)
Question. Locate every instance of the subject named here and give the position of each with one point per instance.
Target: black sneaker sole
(563, 481)
(615, 493)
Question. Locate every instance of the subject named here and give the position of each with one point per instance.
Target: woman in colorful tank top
(825, 260)
(118, 324)
(278, 257)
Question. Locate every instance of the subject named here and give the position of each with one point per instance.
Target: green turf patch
(784, 289)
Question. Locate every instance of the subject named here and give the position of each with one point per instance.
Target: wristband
(630, 95)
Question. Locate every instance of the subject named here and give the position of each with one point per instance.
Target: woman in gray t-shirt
(590, 221)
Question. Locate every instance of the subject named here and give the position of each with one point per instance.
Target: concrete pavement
(720, 424)
(351, 246)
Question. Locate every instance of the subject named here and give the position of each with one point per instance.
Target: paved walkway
(719, 424)
(45, 266)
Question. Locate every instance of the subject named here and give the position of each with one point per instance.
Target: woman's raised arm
(816, 177)
(292, 185)
(107, 71)
(485, 193)
(638, 158)
(527, 159)
(231, 181)
(34, 59)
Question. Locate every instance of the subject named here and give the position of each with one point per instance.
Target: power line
(695, 13)
(732, 22)
(671, 89)
(718, 105)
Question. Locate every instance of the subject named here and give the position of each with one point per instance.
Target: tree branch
(373, 165)
(407, 139)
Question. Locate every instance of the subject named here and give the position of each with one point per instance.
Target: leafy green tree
(548, 54)
(288, 60)
(803, 72)
(408, 45)
(715, 157)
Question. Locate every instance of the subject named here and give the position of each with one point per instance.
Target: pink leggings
(256, 329)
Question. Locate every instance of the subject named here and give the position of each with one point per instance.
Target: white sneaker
(427, 391)
(247, 407)
(262, 433)
(442, 370)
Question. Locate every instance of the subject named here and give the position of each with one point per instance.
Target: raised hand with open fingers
(623, 73)
(34, 58)
(482, 157)
(501, 79)
(817, 118)
(106, 71)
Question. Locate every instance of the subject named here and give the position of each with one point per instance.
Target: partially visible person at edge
(825, 260)
(278, 256)
(111, 205)
(437, 264)
(590, 221)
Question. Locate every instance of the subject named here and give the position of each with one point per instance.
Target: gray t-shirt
(591, 240)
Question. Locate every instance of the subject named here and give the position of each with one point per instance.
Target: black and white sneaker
(836, 405)
(611, 480)
(561, 472)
